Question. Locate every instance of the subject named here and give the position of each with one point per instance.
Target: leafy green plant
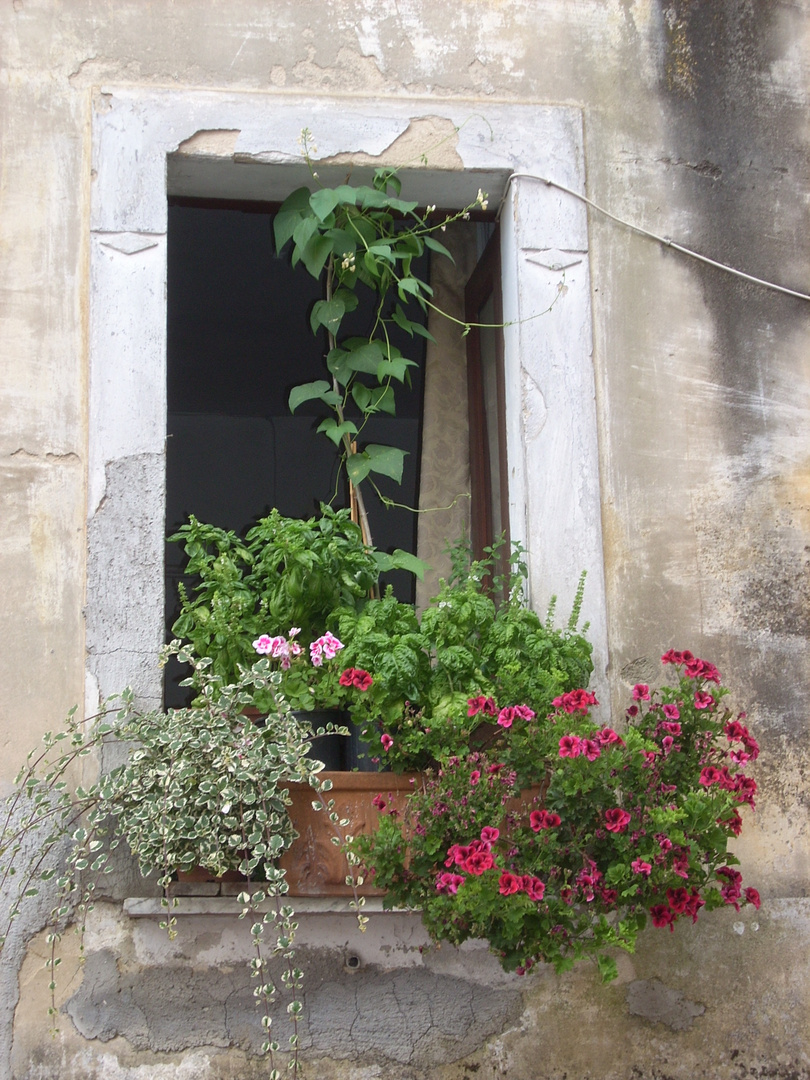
(362, 235)
(286, 572)
(425, 670)
(559, 838)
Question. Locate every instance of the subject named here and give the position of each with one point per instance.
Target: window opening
(486, 400)
(238, 339)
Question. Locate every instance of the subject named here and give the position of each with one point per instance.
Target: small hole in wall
(353, 962)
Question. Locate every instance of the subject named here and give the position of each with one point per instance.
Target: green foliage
(361, 236)
(424, 670)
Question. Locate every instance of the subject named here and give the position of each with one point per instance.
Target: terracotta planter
(314, 865)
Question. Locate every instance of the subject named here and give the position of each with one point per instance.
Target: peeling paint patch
(654, 1001)
(220, 142)
(535, 410)
(428, 140)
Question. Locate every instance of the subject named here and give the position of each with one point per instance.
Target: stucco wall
(695, 120)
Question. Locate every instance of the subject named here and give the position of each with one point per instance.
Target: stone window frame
(149, 143)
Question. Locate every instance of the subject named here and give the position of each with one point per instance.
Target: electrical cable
(653, 236)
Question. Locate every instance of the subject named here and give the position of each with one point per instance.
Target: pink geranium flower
(638, 866)
(449, 883)
(387, 741)
(703, 700)
(570, 746)
(641, 692)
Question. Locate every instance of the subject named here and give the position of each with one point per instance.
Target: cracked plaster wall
(695, 126)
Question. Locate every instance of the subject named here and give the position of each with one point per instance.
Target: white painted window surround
(252, 152)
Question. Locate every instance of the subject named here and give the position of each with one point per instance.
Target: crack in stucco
(50, 455)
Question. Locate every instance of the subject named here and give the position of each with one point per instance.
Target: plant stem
(365, 529)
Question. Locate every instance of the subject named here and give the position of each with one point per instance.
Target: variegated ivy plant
(199, 786)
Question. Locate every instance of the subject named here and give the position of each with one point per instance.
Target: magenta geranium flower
(591, 749)
(662, 916)
(533, 887)
(638, 866)
(387, 741)
(703, 700)
(570, 746)
(481, 704)
(449, 883)
(508, 884)
(543, 819)
(356, 677)
(489, 835)
(575, 701)
(616, 820)
(506, 716)
(641, 692)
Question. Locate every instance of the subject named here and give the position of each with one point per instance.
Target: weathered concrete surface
(695, 121)
(682, 1006)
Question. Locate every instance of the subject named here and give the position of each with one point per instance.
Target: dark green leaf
(328, 313)
(304, 230)
(386, 460)
(323, 202)
(316, 253)
(363, 355)
(308, 392)
(402, 320)
(358, 467)
(395, 368)
(334, 431)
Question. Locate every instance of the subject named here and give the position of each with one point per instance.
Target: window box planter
(315, 865)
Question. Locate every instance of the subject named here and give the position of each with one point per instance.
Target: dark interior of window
(238, 340)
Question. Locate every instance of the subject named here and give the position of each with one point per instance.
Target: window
(213, 145)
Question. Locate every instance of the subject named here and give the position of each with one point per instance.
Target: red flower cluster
(506, 716)
(512, 883)
(737, 732)
(575, 701)
(356, 677)
(693, 667)
(744, 786)
(543, 819)
(481, 704)
(616, 820)
(572, 745)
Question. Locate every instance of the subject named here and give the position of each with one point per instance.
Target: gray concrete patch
(655, 1001)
